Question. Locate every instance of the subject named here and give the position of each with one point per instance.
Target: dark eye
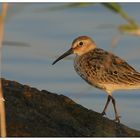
(81, 43)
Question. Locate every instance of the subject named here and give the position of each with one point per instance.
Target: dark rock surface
(34, 113)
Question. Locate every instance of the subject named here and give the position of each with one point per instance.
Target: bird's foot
(117, 119)
(103, 113)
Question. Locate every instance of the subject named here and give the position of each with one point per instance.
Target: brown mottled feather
(99, 67)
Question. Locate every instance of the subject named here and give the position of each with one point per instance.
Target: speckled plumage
(102, 69)
(106, 71)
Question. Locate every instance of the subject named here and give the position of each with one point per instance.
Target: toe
(117, 119)
(103, 113)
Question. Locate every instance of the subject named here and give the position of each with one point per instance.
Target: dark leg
(106, 105)
(115, 109)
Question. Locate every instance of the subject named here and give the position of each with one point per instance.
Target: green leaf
(117, 9)
(65, 6)
(129, 29)
(113, 7)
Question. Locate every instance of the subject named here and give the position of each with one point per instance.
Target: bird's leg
(106, 105)
(117, 117)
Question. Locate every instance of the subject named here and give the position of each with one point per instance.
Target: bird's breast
(84, 68)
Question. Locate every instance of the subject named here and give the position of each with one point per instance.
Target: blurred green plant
(130, 28)
(117, 9)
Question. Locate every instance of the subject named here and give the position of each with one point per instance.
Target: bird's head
(80, 46)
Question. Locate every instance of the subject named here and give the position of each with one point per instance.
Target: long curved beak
(69, 52)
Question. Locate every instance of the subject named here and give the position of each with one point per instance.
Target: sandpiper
(102, 69)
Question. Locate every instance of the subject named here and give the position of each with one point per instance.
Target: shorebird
(102, 69)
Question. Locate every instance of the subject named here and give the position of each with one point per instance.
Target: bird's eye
(80, 43)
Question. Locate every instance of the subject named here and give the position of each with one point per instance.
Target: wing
(114, 70)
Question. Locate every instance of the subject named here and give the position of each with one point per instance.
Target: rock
(34, 113)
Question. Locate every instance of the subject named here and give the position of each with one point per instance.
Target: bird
(102, 69)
